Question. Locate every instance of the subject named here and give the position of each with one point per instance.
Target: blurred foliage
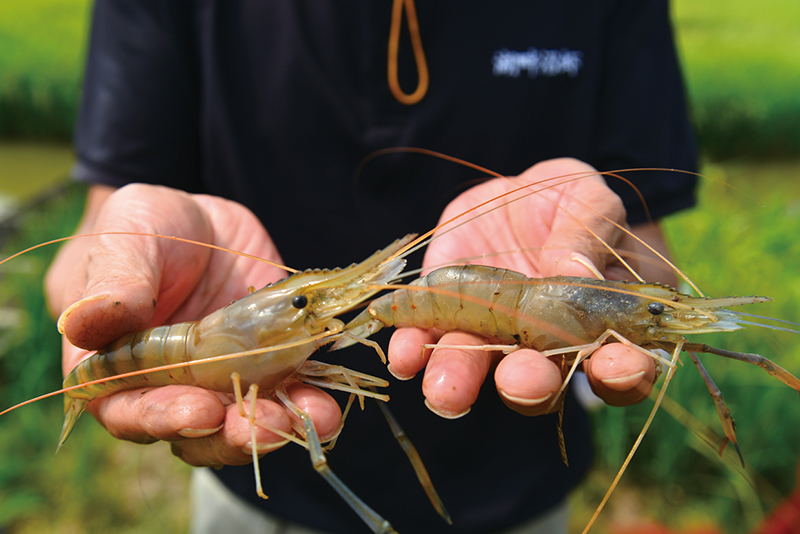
(46, 114)
(742, 65)
(95, 483)
(42, 48)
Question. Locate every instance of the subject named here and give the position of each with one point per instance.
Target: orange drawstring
(419, 54)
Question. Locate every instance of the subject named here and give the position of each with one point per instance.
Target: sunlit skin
(129, 274)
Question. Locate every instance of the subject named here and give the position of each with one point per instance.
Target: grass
(42, 46)
(742, 65)
(732, 48)
(43, 41)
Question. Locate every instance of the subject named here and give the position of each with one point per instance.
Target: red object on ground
(785, 519)
(648, 527)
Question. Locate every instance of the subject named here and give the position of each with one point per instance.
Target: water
(29, 170)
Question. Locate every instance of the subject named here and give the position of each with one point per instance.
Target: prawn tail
(73, 408)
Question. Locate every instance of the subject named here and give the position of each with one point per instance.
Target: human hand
(129, 283)
(553, 227)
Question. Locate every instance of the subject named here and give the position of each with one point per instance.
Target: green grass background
(42, 45)
(742, 64)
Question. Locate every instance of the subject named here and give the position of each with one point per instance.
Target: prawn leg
(377, 523)
(755, 359)
(342, 379)
(670, 373)
(252, 395)
(416, 461)
(585, 351)
(366, 342)
(334, 377)
(724, 413)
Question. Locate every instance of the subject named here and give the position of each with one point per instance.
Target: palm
(538, 233)
(186, 281)
(545, 232)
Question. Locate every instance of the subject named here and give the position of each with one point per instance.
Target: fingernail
(624, 382)
(198, 432)
(397, 375)
(446, 415)
(264, 448)
(523, 401)
(63, 317)
(586, 262)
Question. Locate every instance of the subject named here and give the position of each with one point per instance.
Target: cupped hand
(112, 285)
(555, 231)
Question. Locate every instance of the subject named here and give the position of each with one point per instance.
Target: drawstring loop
(419, 54)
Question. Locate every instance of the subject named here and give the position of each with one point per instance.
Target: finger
(620, 375)
(406, 355)
(97, 320)
(146, 415)
(132, 281)
(65, 279)
(228, 275)
(323, 409)
(527, 382)
(453, 377)
(652, 248)
(232, 445)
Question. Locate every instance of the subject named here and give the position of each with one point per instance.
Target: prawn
(264, 338)
(570, 318)
(637, 295)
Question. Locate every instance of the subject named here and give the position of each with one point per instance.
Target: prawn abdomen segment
(135, 352)
(128, 354)
(505, 306)
(455, 298)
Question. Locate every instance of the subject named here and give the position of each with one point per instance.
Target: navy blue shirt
(275, 103)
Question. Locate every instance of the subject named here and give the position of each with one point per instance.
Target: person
(241, 124)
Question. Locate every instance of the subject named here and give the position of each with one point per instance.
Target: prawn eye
(656, 308)
(300, 302)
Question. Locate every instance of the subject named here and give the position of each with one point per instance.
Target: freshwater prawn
(640, 293)
(570, 319)
(258, 341)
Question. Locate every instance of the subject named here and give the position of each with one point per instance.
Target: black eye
(300, 302)
(656, 308)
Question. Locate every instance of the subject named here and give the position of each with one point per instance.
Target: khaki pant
(218, 511)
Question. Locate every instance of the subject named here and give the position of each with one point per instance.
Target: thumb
(129, 282)
(584, 224)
